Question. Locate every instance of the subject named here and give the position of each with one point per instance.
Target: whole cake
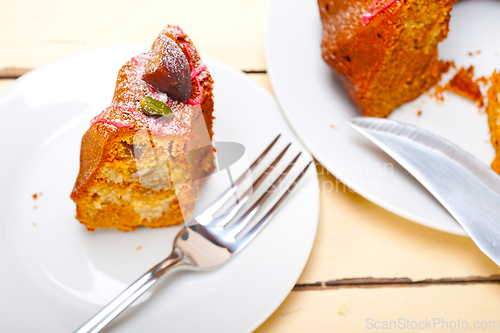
(384, 51)
(143, 159)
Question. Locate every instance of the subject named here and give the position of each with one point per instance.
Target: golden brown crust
(493, 110)
(391, 60)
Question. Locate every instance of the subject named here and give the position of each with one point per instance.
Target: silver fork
(207, 242)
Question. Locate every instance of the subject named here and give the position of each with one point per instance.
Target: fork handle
(129, 295)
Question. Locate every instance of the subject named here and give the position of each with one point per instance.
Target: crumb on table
(35, 196)
(343, 310)
(139, 247)
(419, 113)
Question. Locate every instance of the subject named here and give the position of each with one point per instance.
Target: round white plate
(317, 108)
(55, 275)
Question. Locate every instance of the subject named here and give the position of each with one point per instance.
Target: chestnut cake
(384, 51)
(143, 159)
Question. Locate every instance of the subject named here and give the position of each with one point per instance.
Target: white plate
(313, 101)
(54, 274)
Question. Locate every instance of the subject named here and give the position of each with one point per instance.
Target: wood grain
(263, 80)
(393, 282)
(4, 83)
(358, 239)
(34, 33)
(350, 310)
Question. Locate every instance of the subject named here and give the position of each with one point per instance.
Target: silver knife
(467, 188)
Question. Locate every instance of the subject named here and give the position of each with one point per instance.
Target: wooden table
(367, 265)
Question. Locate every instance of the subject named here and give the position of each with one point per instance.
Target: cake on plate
(384, 51)
(144, 158)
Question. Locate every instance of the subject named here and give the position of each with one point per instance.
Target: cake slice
(493, 110)
(143, 160)
(384, 51)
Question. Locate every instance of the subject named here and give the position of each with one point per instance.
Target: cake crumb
(332, 126)
(419, 113)
(463, 84)
(470, 54)
(34, 224)
(35, 196)
(438, 92)
(34, 207)
(483, 80)
(138, 248)
(343, 310)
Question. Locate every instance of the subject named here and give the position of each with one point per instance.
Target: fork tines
(231, 227)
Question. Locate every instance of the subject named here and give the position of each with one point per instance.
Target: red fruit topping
(168, 70)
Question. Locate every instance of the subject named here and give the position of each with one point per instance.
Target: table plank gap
(13, 72)
(370, 282)
(356, 309)
(252, 71)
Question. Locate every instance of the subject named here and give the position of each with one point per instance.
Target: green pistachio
(155, 108)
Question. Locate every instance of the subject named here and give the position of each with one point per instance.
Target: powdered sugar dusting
(136, 63)
(198, 71)
(180, 31)
(174, 58)
(125, 110)
(110, 122)
(199, 96)
(160, 125)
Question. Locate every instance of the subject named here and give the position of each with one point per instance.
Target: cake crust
(493, 110)
(392, 59)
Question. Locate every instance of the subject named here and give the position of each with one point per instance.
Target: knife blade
(467, 188)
